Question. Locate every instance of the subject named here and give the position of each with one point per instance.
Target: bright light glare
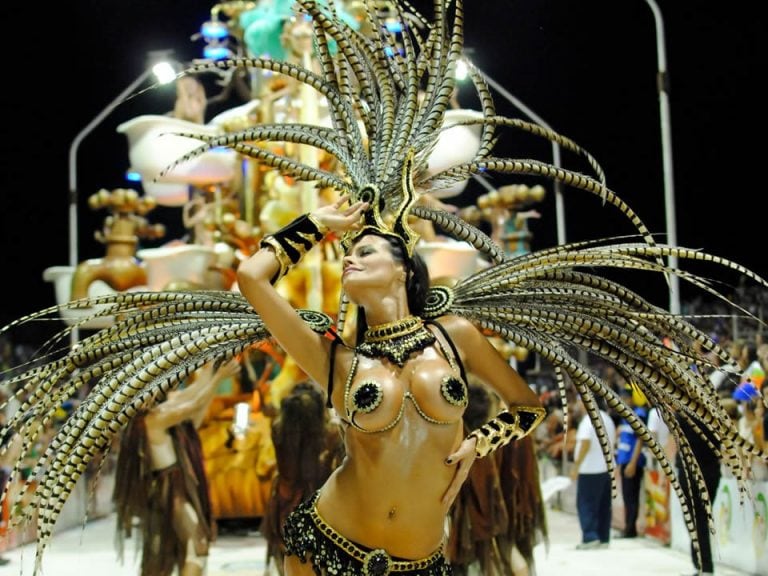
(216, 51)
(462, 70)
(164, 72)
(213, 29)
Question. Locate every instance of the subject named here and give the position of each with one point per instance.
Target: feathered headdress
(397, 225)
(387, 95)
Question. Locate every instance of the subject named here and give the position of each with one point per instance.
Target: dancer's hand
(230, 368)
(462, 459)
(339, 219)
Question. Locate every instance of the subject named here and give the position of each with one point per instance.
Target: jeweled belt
(375, 562)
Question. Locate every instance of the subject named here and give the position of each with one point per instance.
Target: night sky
(587, 67)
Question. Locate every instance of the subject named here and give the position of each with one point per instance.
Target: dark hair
(299, 436)
(751, 348)
(416, 280)
(601, 402)
(478, 408)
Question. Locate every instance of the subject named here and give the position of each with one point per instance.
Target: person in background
(631, 460)
(762, 408)
(307, 448)
(751, 412)
(660, 431)
(750, 362)
(160, 479)
(748, 397)
(191, 101)
(593, 480)
(553, 441)
(709, 465)
(725, 377)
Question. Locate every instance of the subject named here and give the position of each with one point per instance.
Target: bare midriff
(387, 493)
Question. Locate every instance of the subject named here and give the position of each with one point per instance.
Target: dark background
(587, 67)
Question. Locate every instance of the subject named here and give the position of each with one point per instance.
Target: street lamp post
(512, 99)
(666, 142)
(666, 148)
(73, 148)
(155, 58)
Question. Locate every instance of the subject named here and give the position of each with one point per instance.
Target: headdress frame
(377, 218)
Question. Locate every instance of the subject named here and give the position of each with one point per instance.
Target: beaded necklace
(396, 340)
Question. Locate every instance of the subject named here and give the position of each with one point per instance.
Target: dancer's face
(370, 264)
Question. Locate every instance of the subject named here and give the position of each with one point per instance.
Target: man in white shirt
(593, 482)
(661, 432)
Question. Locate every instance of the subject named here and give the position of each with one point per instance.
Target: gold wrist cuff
(509, 425)
(282, 257)
(293, 241)
(321, 228)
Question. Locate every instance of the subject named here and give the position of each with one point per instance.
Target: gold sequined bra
(368, 396)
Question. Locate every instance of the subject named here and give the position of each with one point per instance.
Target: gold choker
(396, 340)
(393, 329)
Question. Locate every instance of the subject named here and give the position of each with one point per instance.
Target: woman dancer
(400, 390)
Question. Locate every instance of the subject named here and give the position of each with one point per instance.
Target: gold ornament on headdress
(376, 219)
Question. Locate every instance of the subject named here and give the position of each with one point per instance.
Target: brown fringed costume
(500, 506)
(157, 497)
(521, 487)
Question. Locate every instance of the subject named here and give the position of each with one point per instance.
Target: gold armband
(291, 242)
(512, 424)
